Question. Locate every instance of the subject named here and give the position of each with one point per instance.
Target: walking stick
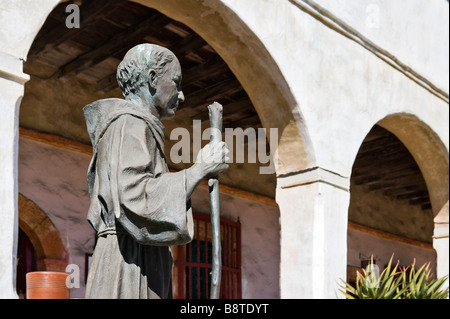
(215, 118)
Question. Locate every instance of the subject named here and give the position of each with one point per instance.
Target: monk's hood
(100, 114)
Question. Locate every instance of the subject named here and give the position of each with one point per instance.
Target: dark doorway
(26, 262)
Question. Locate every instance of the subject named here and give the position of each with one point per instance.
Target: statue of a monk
(138, 208)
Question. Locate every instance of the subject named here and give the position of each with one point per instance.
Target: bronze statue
(138, 208)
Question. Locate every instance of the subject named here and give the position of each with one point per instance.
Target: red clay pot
(47, 285)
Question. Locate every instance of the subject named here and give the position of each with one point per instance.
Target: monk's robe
(138, 208)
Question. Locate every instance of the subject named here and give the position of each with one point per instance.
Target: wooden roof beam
(89, 13)
(408, 193)
(376, 164)
(120, 41)
(201, 98)
(379, 144)
(399, 184)
(414, 196)
(186, 45)
(204, 70)
(386, 173)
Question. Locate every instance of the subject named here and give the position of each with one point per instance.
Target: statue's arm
(152, 202)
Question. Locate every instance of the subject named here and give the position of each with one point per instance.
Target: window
(193, 261)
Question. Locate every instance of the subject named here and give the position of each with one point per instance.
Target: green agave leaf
(391, 283)
(349, 296)
(415, 284)
(346, 294)
(412, 272)
(437, 284)
(389, 287)
(433, 290)
(400, 293)
(422, 280)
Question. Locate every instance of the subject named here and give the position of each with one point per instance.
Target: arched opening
(428, 151)
(50, 252)
(392, 202)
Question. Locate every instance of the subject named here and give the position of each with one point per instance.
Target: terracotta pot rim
(47, 272)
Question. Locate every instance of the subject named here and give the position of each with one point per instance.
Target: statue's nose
(180, 96)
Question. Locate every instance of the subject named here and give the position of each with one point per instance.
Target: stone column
(12, 81)
(440, 242)
(313, 217)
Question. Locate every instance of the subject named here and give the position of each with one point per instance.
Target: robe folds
(138, 208)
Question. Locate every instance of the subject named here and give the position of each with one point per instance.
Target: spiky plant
(395, 283)
(419, 284)
(371, 286)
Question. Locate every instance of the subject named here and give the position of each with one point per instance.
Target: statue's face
(168, 94)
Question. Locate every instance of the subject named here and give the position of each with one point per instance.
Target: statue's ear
(152, 78)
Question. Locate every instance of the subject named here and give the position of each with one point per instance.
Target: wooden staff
(215, 118)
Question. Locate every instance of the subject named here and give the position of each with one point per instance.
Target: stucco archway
(50, 250)
(428, 151)
(400, 184)
(431, 156)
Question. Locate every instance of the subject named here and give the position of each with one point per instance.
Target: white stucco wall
(414, 31)
(21, 21)
(343, 89)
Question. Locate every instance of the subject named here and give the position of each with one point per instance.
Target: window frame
(231, 280)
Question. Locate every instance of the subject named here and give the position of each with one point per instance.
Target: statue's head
(150, 75)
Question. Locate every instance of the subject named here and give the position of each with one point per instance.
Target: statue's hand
(215, 118)
(213, 159)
